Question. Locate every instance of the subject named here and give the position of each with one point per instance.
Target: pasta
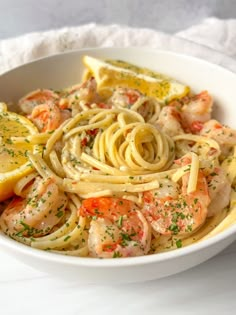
(122, 175)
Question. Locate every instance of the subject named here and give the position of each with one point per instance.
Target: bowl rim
(8, 242)
(135, 48)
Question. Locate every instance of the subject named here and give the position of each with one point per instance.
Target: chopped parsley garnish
(178, 243)
(66, 238)
(60, 214)
(120, 221)
(174, 228)
(117, 255)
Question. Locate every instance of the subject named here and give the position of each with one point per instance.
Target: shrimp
(36, 214)
(219, 191)
(173, 211)
(65, 114)
(87, 91)
(147, 107)
(117, 228)
(169, 121)
(82, 94)
(35, 98)
(196, 111)
(46, 117)
(185, 115)
(224, 135)
(123, 97)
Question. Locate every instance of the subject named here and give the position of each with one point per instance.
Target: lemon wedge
(14, 162)
(114, 73)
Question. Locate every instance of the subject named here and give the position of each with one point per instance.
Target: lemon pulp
(115, 73)
(14, 162)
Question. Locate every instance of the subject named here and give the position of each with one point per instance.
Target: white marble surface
(206, 289)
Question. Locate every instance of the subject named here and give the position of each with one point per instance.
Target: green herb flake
(178, 243)
(120, 221)
(67, 238)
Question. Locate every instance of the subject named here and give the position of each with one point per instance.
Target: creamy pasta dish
(127, 163)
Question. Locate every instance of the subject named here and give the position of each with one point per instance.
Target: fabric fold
(211, 40)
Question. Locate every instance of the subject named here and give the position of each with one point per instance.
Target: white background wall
(23, 16)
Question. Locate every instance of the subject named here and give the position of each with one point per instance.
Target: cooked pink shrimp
(196, 111)
(35, 98)
(46, 117)
(85, 93)
(185, 115)
(65, 114)
(219, 191)
(169, 121)
(170, 211)
(124, 97)
(38, 213)
(117, 228)
(147, 107)
(224, 135)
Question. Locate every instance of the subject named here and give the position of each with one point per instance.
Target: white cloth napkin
(214, 33)
(217, 38)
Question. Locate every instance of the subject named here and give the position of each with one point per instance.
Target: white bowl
(64, 70)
